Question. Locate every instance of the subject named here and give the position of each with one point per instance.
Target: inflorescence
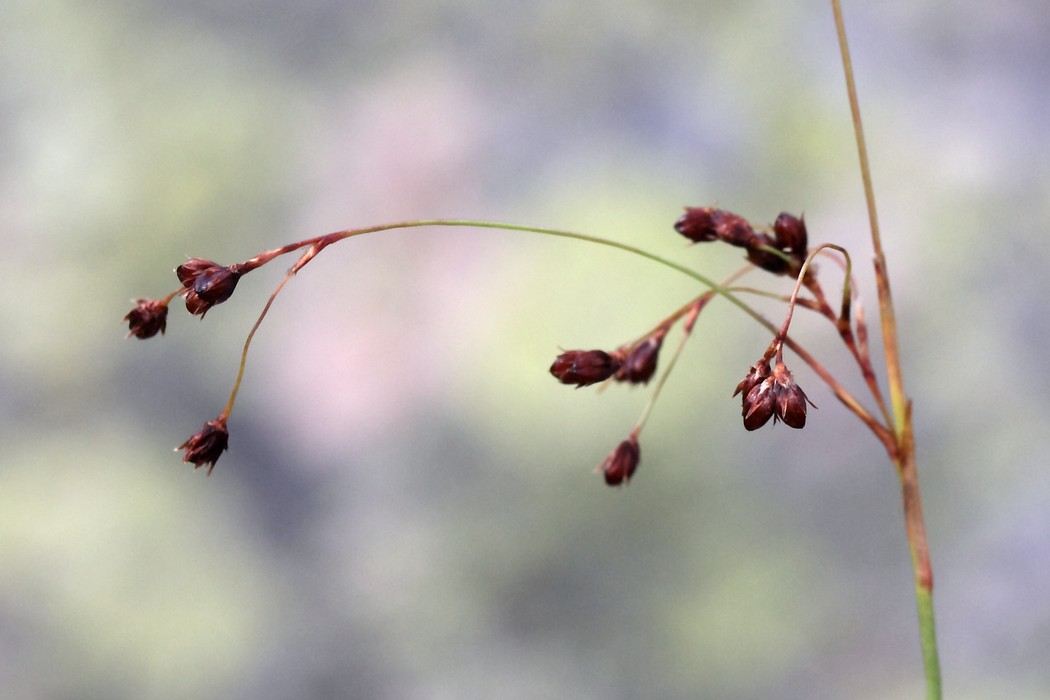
(767, 391)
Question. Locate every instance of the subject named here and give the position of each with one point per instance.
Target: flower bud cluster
(633, 364)
(780, 253)
(771, 393)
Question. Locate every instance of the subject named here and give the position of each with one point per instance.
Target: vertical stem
(903, 452)
(889, 321)
(920, 557)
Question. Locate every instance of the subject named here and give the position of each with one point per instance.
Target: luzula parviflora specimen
(767, 391)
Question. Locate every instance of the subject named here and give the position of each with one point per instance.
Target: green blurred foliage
(408, 508)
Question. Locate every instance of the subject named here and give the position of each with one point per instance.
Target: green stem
(928, 630)
(468, 223)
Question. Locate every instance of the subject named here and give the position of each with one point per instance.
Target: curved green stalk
(723, 290)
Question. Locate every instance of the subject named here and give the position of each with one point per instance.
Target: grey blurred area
(408, 508)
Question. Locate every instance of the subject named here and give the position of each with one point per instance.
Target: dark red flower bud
(207, 445)
(639, 362)
(698, 224)
(759, 404)
(208, 284)
(791, 235)
(148, 318)
(772, 394)
(768, 261)
(759, 371)
(585, 367)
(735, 230)
(620, 465)
(790, 399)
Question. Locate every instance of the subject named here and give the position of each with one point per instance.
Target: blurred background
(408, 509)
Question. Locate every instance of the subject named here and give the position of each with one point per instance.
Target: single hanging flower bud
(620, 465)
(639, 362)
(790, 232)
(585, 367)
(207, 445)
(790, 399)
(698, 224)
(770, 262)
(759, 404)
(149, 317)
(207, 284)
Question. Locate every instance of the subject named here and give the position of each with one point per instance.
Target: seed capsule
(639, 363)
(620, 465)
(585, 367)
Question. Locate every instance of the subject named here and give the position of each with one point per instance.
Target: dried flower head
(735, 230)
(585, 367)
(207, 445)
(791, 236)
(698, 224)
(759, 404)
(619, 466)
(759, 371)
(149, 317)
(207, 284)
(639, 362)
(790, 399)
(702, 224)
(772, 393)
(768, 260)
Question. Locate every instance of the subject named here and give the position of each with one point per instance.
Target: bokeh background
(408, 508)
